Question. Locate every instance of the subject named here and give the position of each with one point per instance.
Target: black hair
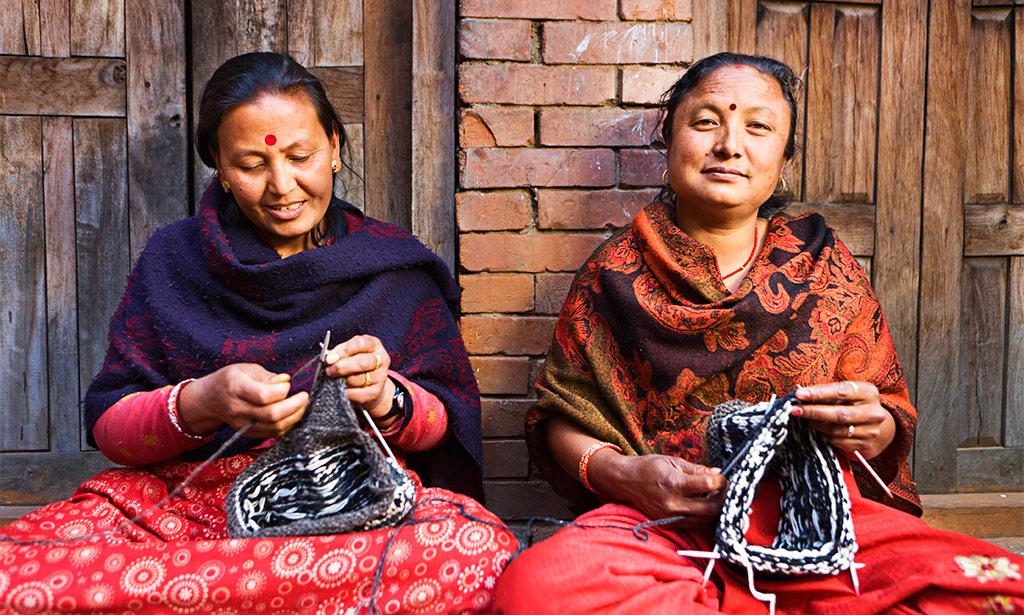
(699, 71)
(244, 79)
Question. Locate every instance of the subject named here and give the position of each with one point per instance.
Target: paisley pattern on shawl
(206, 293)
(649, 341)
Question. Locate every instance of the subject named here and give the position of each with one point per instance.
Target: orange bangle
(585, 461)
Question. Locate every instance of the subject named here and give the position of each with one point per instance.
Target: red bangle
(585, 461)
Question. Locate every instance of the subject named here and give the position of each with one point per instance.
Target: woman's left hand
(849, 414)
(363, 362)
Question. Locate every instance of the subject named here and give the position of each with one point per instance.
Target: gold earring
(664, 179)
(781, 190)
(226, 186)
(334, 166)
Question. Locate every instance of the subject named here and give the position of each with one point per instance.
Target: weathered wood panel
(301, 45)
(349, 185)
(710, 21)
(388, 121)
(818, 95)
(938, 389)
(55, 28)
(338, 30)
(989, 104)
(901, 112)
(23, 421)
(344, 87)
(73, 86)
(1018, 105)
(19, 27)
(981, 345)
(61, 282)
(853, 222)
(34, 479)
(261, 25)
(994, 230)
(743, 25)
(157, 118)
(782, 34)
(102, 236)
(1015, 355)
(433, 126)
(97, 28)
(990, 469)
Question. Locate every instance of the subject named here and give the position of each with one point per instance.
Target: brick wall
(556, 113)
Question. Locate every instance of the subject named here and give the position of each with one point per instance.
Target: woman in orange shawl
(708, 296)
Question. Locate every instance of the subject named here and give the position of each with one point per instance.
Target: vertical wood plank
(901, 108)
(742, 26)
(1018, 105)
(818, 117)
(23, 419)
(338, 28)
(782, 34)
(388, 124)
(30, 16)
(981, 345)
(300, 31)
(55, 28)
(61, 282)
(1015, 355)
(433, 126)
(710, 21)
(102, 237)
(349, 185)
(12, 29)
(940, 397)
(989, 100)
(262, 25)
(97, 28)
(157, 139)
(854, 103)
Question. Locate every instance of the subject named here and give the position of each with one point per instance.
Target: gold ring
(849, 431)
(367, 383)
(380, 361)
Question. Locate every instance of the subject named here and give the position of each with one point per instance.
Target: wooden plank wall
(935, 215)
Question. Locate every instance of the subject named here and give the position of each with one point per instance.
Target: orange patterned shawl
(649, 341)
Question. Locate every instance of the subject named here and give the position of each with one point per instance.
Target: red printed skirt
(180, 559)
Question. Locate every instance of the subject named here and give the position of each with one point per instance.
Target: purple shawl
(205, 293)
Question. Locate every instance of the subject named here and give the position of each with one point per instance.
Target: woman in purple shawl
(219, 312)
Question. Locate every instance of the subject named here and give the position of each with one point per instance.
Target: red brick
(535, 253)
(497, 292)
(502, 375)
(642, 167)
(503, 417)
(506, 459)
(617, 43)
(644, 85)
(495, 40)
(509, 335)
(547, 9)
(589, 209)
(533, 84)
(657, 10)
(597, 126)
(498, 168)
(489, 127)
(551, 291)
(493, 211)
(514, 499)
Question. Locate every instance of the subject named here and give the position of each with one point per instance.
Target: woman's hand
(363, 362)
(239, 393)
(849, 414)
(660, 486)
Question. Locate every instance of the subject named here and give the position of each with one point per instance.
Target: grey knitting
(816, 528)
(325, 476)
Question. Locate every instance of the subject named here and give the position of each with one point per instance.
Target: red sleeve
(425, 427)
(137, 430)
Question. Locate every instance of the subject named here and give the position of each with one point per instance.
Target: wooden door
(909, 149)
(97, 101)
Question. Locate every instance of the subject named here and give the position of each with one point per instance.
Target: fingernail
(797, 411)
(331, 357)
(802, 394)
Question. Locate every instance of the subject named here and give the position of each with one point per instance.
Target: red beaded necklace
(746, 262)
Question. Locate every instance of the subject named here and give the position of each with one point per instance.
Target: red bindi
(270, 139)
(732, 107)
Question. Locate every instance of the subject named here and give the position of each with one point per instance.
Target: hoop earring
(781, 190)
(664, 179)
(226, 186)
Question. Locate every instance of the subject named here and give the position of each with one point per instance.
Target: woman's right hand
(660, 486)
(237, 394)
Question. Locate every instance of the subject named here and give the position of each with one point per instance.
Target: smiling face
(726, 151)
(277, 158)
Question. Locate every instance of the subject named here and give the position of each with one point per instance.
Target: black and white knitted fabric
(816, 530)
(325, 476)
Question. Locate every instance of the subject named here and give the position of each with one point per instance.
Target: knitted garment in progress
(325, 476)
